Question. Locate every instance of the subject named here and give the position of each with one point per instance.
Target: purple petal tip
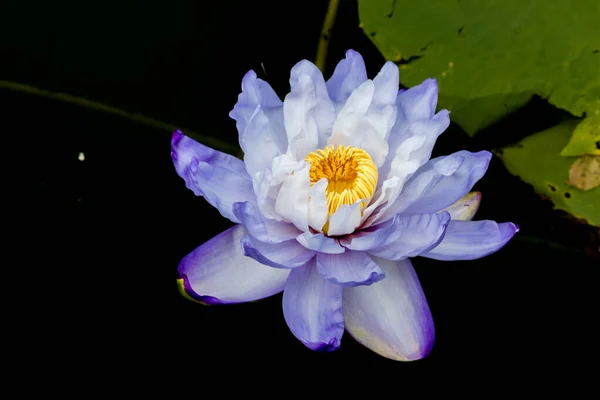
(332, 345)
(177, 135)
(186, 290)
(175, 139)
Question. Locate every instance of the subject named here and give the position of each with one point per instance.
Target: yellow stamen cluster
(351, 173)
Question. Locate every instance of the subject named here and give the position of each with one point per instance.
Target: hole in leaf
(567, 195)
(598, 144)
(552, 187)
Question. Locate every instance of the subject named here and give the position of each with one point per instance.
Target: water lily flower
(335, 194)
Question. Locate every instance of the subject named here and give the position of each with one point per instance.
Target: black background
(96, 274)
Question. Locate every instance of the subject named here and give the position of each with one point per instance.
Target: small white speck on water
(81, 156)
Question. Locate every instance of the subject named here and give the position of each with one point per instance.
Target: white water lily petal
(391, 317)
(351, 268)
(292, 200)
(317, 205)
(345, 219)
(217, 272)
(255, 93)
(267, 183)
(264, 139)
(349, 74)
(470, 240)
(288, 254)
(308, 111)
(425, 178)
(320, 243)
(353, 127)
(402, 168)
(263, 229)
(414, 104)
(312, 308)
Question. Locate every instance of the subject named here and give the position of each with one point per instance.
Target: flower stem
(94, 105)
(326, 34)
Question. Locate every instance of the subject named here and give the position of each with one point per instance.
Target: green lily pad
(472, 115)
(537, 161)
(495, 52)
(586, 136)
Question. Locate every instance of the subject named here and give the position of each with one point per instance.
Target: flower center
(351, 173)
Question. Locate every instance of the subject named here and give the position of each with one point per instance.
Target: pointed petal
(405, 236)
(263, 229)
(466, 207)
(427, 131)
(308, 111)
(414, 104)
(218, 177)
(255, 93)
(469, 240)
(312, 308)
(320, 243)
(264, 139)
(415, 117)
(438, 184)
(288, 254)
(217, 272)
(386, 83)
(449, 188)
(391, 317)
(349, 74)
(351, 268)
(353, 126)
(259, 120)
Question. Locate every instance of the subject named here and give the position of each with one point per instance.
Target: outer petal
(469, 240)
(312, 308)
(466, 207)
(405, 236)
(218, 177)
(438, 184)
(320, 243)
(449, 188)
(391, 317)
(255, 92)
(349, 74)
(308, 111)
(288, 254)
(264, 139)
(263, 229)
(415, 105)
(351, 268)
(217, 272)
